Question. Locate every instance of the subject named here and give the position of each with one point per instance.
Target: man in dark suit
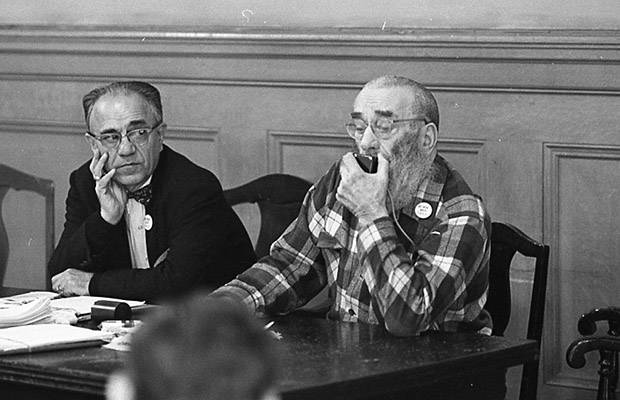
(142, 221)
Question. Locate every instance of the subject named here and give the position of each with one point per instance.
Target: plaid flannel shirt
(373, 273)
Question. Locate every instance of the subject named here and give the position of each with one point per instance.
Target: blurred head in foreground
(202, 348)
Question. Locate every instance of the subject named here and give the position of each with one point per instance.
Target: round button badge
(423, 210)
(148, 222)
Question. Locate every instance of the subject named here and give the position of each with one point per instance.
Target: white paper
(24, 310)
(46, 336)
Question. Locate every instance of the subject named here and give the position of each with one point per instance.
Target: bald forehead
(121, 109)
(393, 100)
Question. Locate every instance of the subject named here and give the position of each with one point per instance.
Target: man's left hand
(72, 282)
(363, 194)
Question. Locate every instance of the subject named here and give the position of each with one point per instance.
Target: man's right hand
(112, 197)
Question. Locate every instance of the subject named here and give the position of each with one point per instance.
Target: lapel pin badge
(423, 210)
(148, 222)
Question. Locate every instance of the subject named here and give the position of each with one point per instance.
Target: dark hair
(202, 348)
(423, 100)
(146, 90)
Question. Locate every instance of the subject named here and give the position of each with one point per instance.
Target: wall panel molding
(67, 127)
(584, 62)
(301, 84)
(555, 370)
(183, 135)
(435, 43)
(32, 126)
(471, 149)
(279, 141)
(196, 140)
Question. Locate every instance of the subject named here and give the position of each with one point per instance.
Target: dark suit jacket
(206, 242)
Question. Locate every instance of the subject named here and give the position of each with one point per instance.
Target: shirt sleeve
(446, 279)
(290, 275)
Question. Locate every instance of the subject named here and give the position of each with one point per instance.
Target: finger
(348, 165)
(55, 279)
(94, 160)
(345, 174)
(342, 192)
(343, 199)
(384, 164)
(98, 170)
(348, 160)
(105, 179)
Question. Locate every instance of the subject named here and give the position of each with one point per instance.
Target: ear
(119, 387)
(92, 142)
(162, 133)
(428, 137)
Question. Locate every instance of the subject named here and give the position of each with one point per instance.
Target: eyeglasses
(138, 137)
(381, 126)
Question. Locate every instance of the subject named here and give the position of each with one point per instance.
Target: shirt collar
(148, 182)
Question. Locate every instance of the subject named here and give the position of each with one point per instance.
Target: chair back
(11, 178)
(279, 198)
(506, 241)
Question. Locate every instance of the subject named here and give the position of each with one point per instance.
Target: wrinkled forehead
(121, 109)
(393, 101)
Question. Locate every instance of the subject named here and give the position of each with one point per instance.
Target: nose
(125, 147)
(369, 144)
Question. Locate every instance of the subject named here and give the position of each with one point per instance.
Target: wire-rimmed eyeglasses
(381, 126)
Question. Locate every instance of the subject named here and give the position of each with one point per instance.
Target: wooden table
(322, 359)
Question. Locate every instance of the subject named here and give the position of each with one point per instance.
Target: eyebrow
(383, 113)
(356, 115)
(132, 125)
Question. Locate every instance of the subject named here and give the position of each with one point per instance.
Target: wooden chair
(279, 198)
(11, 178)
(607, 346)
(506, 241)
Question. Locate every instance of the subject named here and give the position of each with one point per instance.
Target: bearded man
(406, 247)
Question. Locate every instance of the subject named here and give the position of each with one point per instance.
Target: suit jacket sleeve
(85, 240)
(200, 229)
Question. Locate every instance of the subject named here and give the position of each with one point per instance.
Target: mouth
(127, 167)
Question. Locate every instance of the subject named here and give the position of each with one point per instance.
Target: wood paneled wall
(530, 117)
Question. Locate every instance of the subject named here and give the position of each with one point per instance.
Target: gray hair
(148, 92)
(423, 100)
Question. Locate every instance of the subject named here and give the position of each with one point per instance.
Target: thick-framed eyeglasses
(381, 126)
(138, 137)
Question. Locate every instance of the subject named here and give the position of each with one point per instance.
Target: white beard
(408, 168)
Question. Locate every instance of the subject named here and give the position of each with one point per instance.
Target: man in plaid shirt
(406, 247)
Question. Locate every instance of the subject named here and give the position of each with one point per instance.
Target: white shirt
(137, 224)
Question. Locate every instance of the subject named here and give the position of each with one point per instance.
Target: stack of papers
(42, 337)
(47, 307)
(25, 309)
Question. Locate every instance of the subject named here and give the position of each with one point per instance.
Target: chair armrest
(587, 322)
(575, 354)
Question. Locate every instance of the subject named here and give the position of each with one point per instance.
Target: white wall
(543, 14)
